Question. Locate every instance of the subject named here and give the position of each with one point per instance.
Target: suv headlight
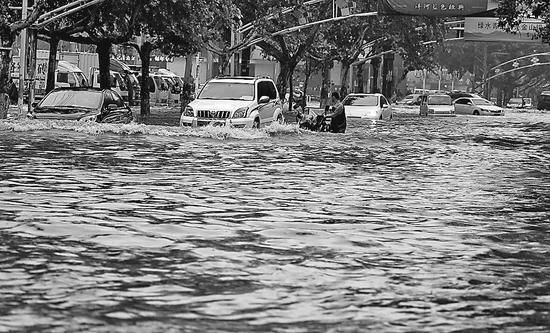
(188, 112)
(240, 113)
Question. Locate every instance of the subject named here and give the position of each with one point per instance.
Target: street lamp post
(22, 58)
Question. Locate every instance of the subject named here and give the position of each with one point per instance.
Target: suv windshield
(72, 98)
(228, 91)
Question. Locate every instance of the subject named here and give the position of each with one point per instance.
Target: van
(116, 81)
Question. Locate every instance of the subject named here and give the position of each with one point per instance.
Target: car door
(461, 106)
(266, 111)
(386, 108)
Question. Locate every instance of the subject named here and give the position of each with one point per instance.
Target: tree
(512, 12)
(185, 28)
(11, 25)
(270, 20)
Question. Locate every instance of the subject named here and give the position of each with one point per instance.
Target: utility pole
(22, 59)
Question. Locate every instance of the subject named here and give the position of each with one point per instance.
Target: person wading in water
(338, 114)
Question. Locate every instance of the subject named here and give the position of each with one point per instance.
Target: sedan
(83, 104)
(370, 106)
(477, 107)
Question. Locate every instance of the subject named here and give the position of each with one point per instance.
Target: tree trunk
(360, 80)
(188, 68)
(145, 55)
(4, 81)
(104, 54)
(325, 85)
(344, 75)
(375, 70)
(52, 65)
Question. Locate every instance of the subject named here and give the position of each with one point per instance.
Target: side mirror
(34, 104)
(385, 106)
(264, 100)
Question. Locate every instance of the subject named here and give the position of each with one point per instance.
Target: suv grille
(213, 114)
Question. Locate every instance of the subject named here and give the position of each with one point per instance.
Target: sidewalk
(160, 115)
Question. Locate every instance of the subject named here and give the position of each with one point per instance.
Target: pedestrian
(338, 122)
(13, 91)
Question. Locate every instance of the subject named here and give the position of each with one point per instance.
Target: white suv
(235, 101)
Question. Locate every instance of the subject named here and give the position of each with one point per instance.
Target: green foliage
(512, 12)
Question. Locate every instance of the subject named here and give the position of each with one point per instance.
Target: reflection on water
(416, 224)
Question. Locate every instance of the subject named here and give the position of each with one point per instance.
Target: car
(371, 106)
(519, 103)
(458, 94)
(241, 102)
(83, 104)
(437, 106)
(477, 107)
(411, 99)
(544, 101)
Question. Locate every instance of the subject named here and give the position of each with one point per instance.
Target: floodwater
(410, 225)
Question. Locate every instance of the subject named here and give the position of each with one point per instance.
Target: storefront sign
(435, 7)
(486, 29)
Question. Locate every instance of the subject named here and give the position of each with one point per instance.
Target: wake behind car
(242, 102)
(477, 106)
(83, 104)
(371, 106)
(437, 106)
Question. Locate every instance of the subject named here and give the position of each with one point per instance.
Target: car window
(266, 88)
(463, 101)
(439, 100)
(371, 100)
(108, 98)
(116, 98)
(63, 77)
(481, 101)
(383, 101)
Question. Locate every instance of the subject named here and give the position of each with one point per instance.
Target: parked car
(83, 104)
(243, 102)
(477, 107)
(458, 94)
(371, 106)
(544, 101)
(519, 103)
(437, 106)
(412, 99)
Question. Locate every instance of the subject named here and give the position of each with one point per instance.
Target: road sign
(486, 29)
(435, 7)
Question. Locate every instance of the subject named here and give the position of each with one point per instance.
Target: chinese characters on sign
(435, 7)
(486, 29)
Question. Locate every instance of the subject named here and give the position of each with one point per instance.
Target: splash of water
(213, 132)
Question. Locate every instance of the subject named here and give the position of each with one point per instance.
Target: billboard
(485, 29)
(435, 7)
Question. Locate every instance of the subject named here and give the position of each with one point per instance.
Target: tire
(256, 123)
(476, 113)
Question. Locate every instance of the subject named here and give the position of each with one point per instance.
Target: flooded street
(415, 224)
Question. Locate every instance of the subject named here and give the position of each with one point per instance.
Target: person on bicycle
(338, 122)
